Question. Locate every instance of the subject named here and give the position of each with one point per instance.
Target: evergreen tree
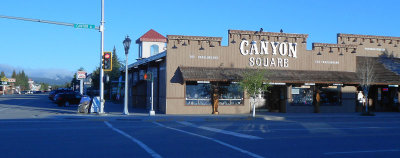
(2, 74)
(44, 86)
(14, 75)
(113, 75)
(116, 67)
(18, 81)
(22, 80)
(96, 78)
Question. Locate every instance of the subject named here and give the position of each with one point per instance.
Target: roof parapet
(277, 34)
(343, 35)
(329, 45)
(194, 38)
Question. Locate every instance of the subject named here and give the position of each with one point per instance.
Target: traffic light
(147, 76)
(107, 61)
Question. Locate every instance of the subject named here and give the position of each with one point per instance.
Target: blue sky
(30, 45)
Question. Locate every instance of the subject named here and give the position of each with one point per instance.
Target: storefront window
(231, 95)
(330, 95)
(302, 95)
(198, 93)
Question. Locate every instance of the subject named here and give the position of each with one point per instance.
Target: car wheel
(66, 103)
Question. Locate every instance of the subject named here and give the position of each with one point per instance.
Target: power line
(42, 21)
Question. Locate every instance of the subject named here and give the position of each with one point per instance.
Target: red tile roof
(152, 36)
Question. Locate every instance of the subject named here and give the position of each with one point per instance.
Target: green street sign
(84, 26)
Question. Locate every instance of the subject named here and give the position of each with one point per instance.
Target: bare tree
(254, 83)
(367, 77)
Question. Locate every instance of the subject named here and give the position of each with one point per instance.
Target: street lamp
(127, 43)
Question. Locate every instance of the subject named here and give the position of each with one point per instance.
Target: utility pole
(84, 26)
(101, 29)
(152, 112)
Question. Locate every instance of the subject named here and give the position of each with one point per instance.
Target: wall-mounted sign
(274, 83)
(80, 75)
(4, 79)
(208, 57)
(385, 89)
(277, 56)
(203, 81)
(326, 62)
(295, 91)
(375, 49)
(204, 57)
(12, 80)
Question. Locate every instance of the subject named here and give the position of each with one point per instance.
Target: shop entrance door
(274, 99)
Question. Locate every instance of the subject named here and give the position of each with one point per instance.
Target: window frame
(185, 97)
(152, 49)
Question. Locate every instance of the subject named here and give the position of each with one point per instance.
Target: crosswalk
(240, 135)
(172, 127)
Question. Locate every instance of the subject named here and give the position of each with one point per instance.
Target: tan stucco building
(190, 67)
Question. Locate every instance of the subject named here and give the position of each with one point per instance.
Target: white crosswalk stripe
(220, 130)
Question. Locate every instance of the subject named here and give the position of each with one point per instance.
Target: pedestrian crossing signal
(147, 76)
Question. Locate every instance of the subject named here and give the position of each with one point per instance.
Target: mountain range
(49, 76)
(58, 81)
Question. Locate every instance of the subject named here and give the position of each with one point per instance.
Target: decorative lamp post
(127, 43)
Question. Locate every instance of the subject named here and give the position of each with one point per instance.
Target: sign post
(149, 77)
(81, 75)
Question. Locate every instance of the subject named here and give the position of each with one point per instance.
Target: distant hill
(57, 81)
(50, 76)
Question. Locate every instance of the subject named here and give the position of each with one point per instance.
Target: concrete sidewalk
(113, 111)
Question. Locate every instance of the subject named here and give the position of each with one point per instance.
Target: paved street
(32, 126)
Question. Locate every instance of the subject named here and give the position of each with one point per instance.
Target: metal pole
(366, 104)
(101, 57)
(126, 87)
(254, 107)
(152, 112)
(81, 86)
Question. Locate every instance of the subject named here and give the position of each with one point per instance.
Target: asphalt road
(50, 131)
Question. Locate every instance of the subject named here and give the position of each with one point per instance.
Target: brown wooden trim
(234, 105)
(175, 98)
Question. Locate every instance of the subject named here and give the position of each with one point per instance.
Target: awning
(285, 76)
(384, 76)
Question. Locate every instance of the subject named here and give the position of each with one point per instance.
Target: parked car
(37, 92)
(67, 98)
(54, 92)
